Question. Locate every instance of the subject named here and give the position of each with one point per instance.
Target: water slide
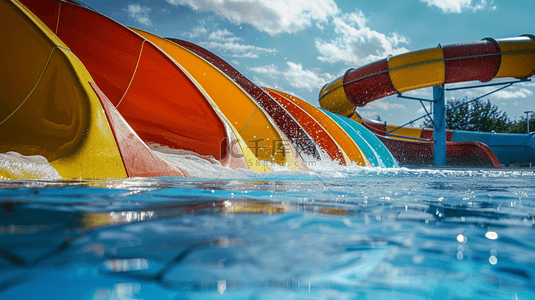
(508, 148)
(341, 137)
(255, 126)
(294, 130)
(314, 129)
(482, 60)
(159, 99)
(91, 122)
(50, 106)
(289, 117)
(314, 121)
(368, 145)
(372, 147)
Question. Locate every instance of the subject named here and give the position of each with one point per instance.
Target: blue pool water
(341, 233)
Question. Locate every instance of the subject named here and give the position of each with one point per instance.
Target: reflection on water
(356, 233)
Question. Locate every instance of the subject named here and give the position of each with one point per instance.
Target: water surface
(339, 233)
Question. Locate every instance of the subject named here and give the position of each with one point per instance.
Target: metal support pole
(527, 118)
(439, 129)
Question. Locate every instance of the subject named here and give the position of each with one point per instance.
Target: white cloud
(385, 106)
(295, 76)
(356, 44)
(226, 43)
(270, 16)
(139, 13)
(223, 36)
(235, 49)
(196, 32)
(270, 71)
(389, 109)
(305, 79)
(520, 93)
(458, 6)
(395, 39)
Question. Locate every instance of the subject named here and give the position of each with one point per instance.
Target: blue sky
(299, 45)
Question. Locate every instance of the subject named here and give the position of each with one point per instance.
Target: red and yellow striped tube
(483, 60)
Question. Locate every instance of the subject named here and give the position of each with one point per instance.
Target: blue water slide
(374, 150)
(509, 148)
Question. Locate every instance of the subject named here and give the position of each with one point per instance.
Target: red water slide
(153, 93)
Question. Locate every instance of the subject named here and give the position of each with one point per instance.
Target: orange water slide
(292, 128)
(160, 100)
(255, 126)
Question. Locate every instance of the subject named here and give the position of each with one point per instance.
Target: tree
(478, 115)
(521, 126)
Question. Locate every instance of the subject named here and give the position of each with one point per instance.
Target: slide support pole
(439, 130)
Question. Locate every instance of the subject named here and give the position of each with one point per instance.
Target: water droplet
(491, 235)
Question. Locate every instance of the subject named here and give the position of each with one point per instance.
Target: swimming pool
(332, 233)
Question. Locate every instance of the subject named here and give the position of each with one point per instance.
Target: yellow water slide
(47, 106)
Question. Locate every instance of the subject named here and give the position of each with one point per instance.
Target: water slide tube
(301, 128)
(156, 96)
(254, 125)
(416, 153)
(342, 138)
(313, 127)
(508, 148)
(369, 145)
(483, 60)
(51, 106)
(299, 137)
(373, 148)
(410, 152)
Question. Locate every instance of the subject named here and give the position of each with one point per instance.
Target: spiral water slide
(51, 106)
(482, 60)
(160, 100)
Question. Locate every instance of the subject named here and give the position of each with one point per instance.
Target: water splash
(17, 166)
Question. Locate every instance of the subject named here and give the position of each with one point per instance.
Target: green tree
(521, 126)
(478, 115)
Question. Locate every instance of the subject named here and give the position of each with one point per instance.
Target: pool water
(339, 233)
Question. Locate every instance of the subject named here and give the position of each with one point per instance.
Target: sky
(298, 46)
